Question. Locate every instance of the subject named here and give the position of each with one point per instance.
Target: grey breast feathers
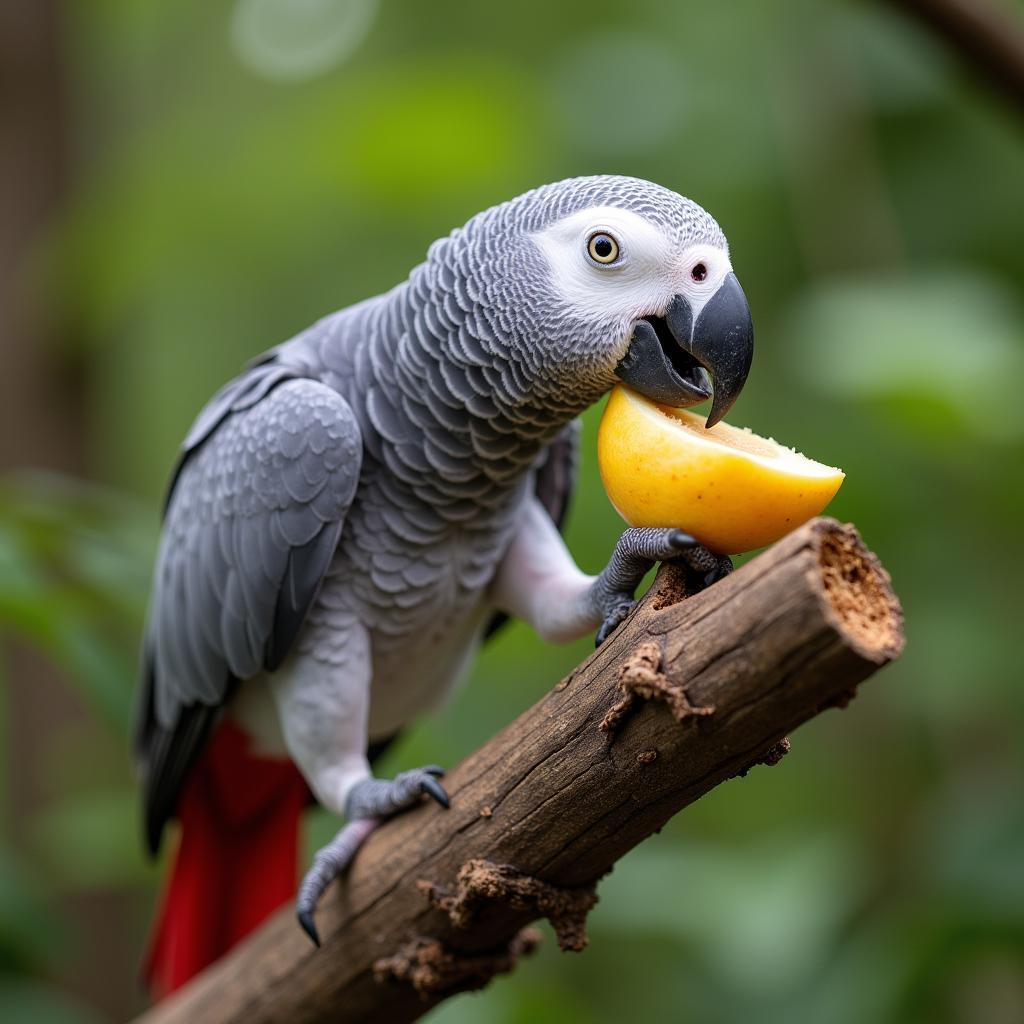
(554, 483)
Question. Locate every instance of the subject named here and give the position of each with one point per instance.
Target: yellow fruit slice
(729, 488)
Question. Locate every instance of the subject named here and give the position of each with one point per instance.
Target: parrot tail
(237, 857)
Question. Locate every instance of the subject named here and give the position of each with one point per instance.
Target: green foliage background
(243, 168)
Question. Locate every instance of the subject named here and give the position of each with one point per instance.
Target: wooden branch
(988, 36)
(684, 695)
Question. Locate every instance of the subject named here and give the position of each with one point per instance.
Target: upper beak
(671, 358)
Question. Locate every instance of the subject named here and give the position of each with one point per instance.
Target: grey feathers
(250, 529)
(251, 526)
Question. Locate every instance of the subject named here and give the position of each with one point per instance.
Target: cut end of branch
(857, 593)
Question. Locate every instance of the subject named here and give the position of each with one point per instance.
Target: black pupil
(603, 247)
(699, 272)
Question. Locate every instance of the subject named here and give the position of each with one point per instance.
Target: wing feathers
(252, 522)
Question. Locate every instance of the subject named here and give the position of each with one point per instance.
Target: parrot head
(610, 278)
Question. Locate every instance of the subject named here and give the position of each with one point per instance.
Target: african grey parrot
(350, 513)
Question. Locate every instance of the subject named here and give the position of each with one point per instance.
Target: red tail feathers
(237, 859)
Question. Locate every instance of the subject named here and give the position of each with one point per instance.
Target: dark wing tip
(169, 758)
(154, 830)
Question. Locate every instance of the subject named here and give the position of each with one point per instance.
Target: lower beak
(677, 362)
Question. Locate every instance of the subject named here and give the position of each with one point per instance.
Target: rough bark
(684, 695)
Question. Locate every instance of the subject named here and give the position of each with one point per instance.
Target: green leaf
(927, 343)
(761, 917)
(32, 936)
(23, 1000)
(91, 840)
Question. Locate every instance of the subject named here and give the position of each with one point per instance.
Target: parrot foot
(637, 550)
(380, 798)
(369, 802)
(328, 864)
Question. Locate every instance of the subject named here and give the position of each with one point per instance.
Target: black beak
(675, 361)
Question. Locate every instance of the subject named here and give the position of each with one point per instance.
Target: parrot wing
(554, 483)
(253, 518)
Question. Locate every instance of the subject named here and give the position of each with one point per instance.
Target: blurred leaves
(621, 123)
(92, 840)
(30, 931)
(791, 895)
(42, 1004)
(73, 574)
(943, 348)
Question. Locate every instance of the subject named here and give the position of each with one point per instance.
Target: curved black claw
(682, 541)
(328, 864)
(434, 788)
(369, 801)
(308, 925)
(720, 571)
(613, 619)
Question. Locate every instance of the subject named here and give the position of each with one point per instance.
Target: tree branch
(684, 695)
(988, 37)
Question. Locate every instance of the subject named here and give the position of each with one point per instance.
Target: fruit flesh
(731, 489)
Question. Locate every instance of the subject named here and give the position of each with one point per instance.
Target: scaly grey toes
(698, 558)
(637, 550)
(654, 544)
(369, 801)
(704, 562)
(327, 865)
(721, 569)
(380, 798)
(613, 617)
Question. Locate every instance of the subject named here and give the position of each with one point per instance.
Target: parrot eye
(699, 272)
(602, 248)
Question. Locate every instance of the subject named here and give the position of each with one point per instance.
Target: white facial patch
(648, 273)
(638, 283)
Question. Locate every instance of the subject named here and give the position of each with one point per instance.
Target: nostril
(699, 272)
